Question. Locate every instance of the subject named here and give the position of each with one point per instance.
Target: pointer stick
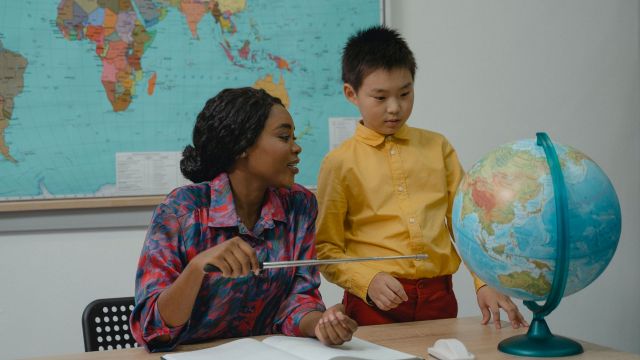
(296, 263)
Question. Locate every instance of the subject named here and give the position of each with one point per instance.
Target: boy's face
(385, 99)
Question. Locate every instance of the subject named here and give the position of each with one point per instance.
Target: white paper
(243, 349)
(340, 129)
(292, 348)
(312, 349)
(148, 173)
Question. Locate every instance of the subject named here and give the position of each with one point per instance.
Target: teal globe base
(540, 342)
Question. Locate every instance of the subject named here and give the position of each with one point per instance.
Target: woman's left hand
(334, 327)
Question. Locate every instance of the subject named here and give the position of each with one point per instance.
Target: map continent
(12, 67)
(121, 36)
(85, 82)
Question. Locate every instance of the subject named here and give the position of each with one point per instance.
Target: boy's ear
(350, 93)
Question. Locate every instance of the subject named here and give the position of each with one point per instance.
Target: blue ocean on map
(63, 132)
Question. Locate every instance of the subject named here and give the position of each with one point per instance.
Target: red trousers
(429, 299)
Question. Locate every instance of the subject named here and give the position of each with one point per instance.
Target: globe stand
(539, 341)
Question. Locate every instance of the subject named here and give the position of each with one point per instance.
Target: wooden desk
(414, 338)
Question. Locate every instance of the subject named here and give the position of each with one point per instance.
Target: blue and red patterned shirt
(196, 217)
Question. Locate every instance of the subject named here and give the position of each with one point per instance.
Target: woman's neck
(248, 196)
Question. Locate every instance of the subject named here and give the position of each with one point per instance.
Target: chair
(105, 324)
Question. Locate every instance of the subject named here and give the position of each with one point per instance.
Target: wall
(495, 71)
(49, 277)
(489, 72)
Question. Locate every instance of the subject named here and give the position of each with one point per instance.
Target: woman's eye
(405, 94)
(285, 137)
(379, 98)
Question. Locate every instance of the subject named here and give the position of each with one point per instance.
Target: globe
(508, 228)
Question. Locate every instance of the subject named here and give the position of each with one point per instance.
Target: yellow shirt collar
(373, 138)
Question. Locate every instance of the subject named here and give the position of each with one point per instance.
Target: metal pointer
(314, 262)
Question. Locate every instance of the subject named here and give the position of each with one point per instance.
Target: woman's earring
(244, 154)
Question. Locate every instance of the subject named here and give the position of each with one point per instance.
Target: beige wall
(495, 71)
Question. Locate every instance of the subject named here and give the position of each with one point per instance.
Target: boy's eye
(379, 98)
(405, 94)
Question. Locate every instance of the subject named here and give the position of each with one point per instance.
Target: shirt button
(400, 189)
(393, 151)
(412, 220)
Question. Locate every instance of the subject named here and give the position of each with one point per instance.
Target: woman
(242, 208)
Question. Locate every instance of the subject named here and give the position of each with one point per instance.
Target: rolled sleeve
(305, 294)
(159, 266)
(293, 310)
(150, 326)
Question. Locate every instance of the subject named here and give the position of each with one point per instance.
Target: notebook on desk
(293, 348)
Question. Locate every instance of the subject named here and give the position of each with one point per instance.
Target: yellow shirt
(388, 195)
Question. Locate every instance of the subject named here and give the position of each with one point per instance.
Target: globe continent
(504, 219)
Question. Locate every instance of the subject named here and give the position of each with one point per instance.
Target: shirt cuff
(477, 282)
(161, 329)
(298, 315)
(359, 284)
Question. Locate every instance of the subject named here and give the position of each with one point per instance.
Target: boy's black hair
(377, 47)
(229, 124)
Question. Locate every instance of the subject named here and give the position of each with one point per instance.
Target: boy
(389, 191)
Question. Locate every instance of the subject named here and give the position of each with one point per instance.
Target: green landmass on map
(541, 265)
(499, 249)
(12, 67)
(524, 280)
(502, 180)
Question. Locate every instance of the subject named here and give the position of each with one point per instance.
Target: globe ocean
(504, 219)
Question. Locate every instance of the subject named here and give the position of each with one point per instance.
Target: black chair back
(105, 324)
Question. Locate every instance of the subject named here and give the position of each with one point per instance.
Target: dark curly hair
(377, 47)
(229, 124)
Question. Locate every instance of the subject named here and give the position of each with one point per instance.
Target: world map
(84, 80)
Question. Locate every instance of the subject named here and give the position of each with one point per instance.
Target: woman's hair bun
(190, 165)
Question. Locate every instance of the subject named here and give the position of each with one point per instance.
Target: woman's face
(273, 159)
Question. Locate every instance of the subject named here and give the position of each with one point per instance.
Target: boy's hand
(334, 327)
(490, 302)
(386, 291)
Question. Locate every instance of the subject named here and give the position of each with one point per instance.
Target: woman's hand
(334, 327)
(234, 258)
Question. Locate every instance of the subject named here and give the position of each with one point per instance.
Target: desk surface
(413, 338)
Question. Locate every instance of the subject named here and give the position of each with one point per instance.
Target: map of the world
(96, 90)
